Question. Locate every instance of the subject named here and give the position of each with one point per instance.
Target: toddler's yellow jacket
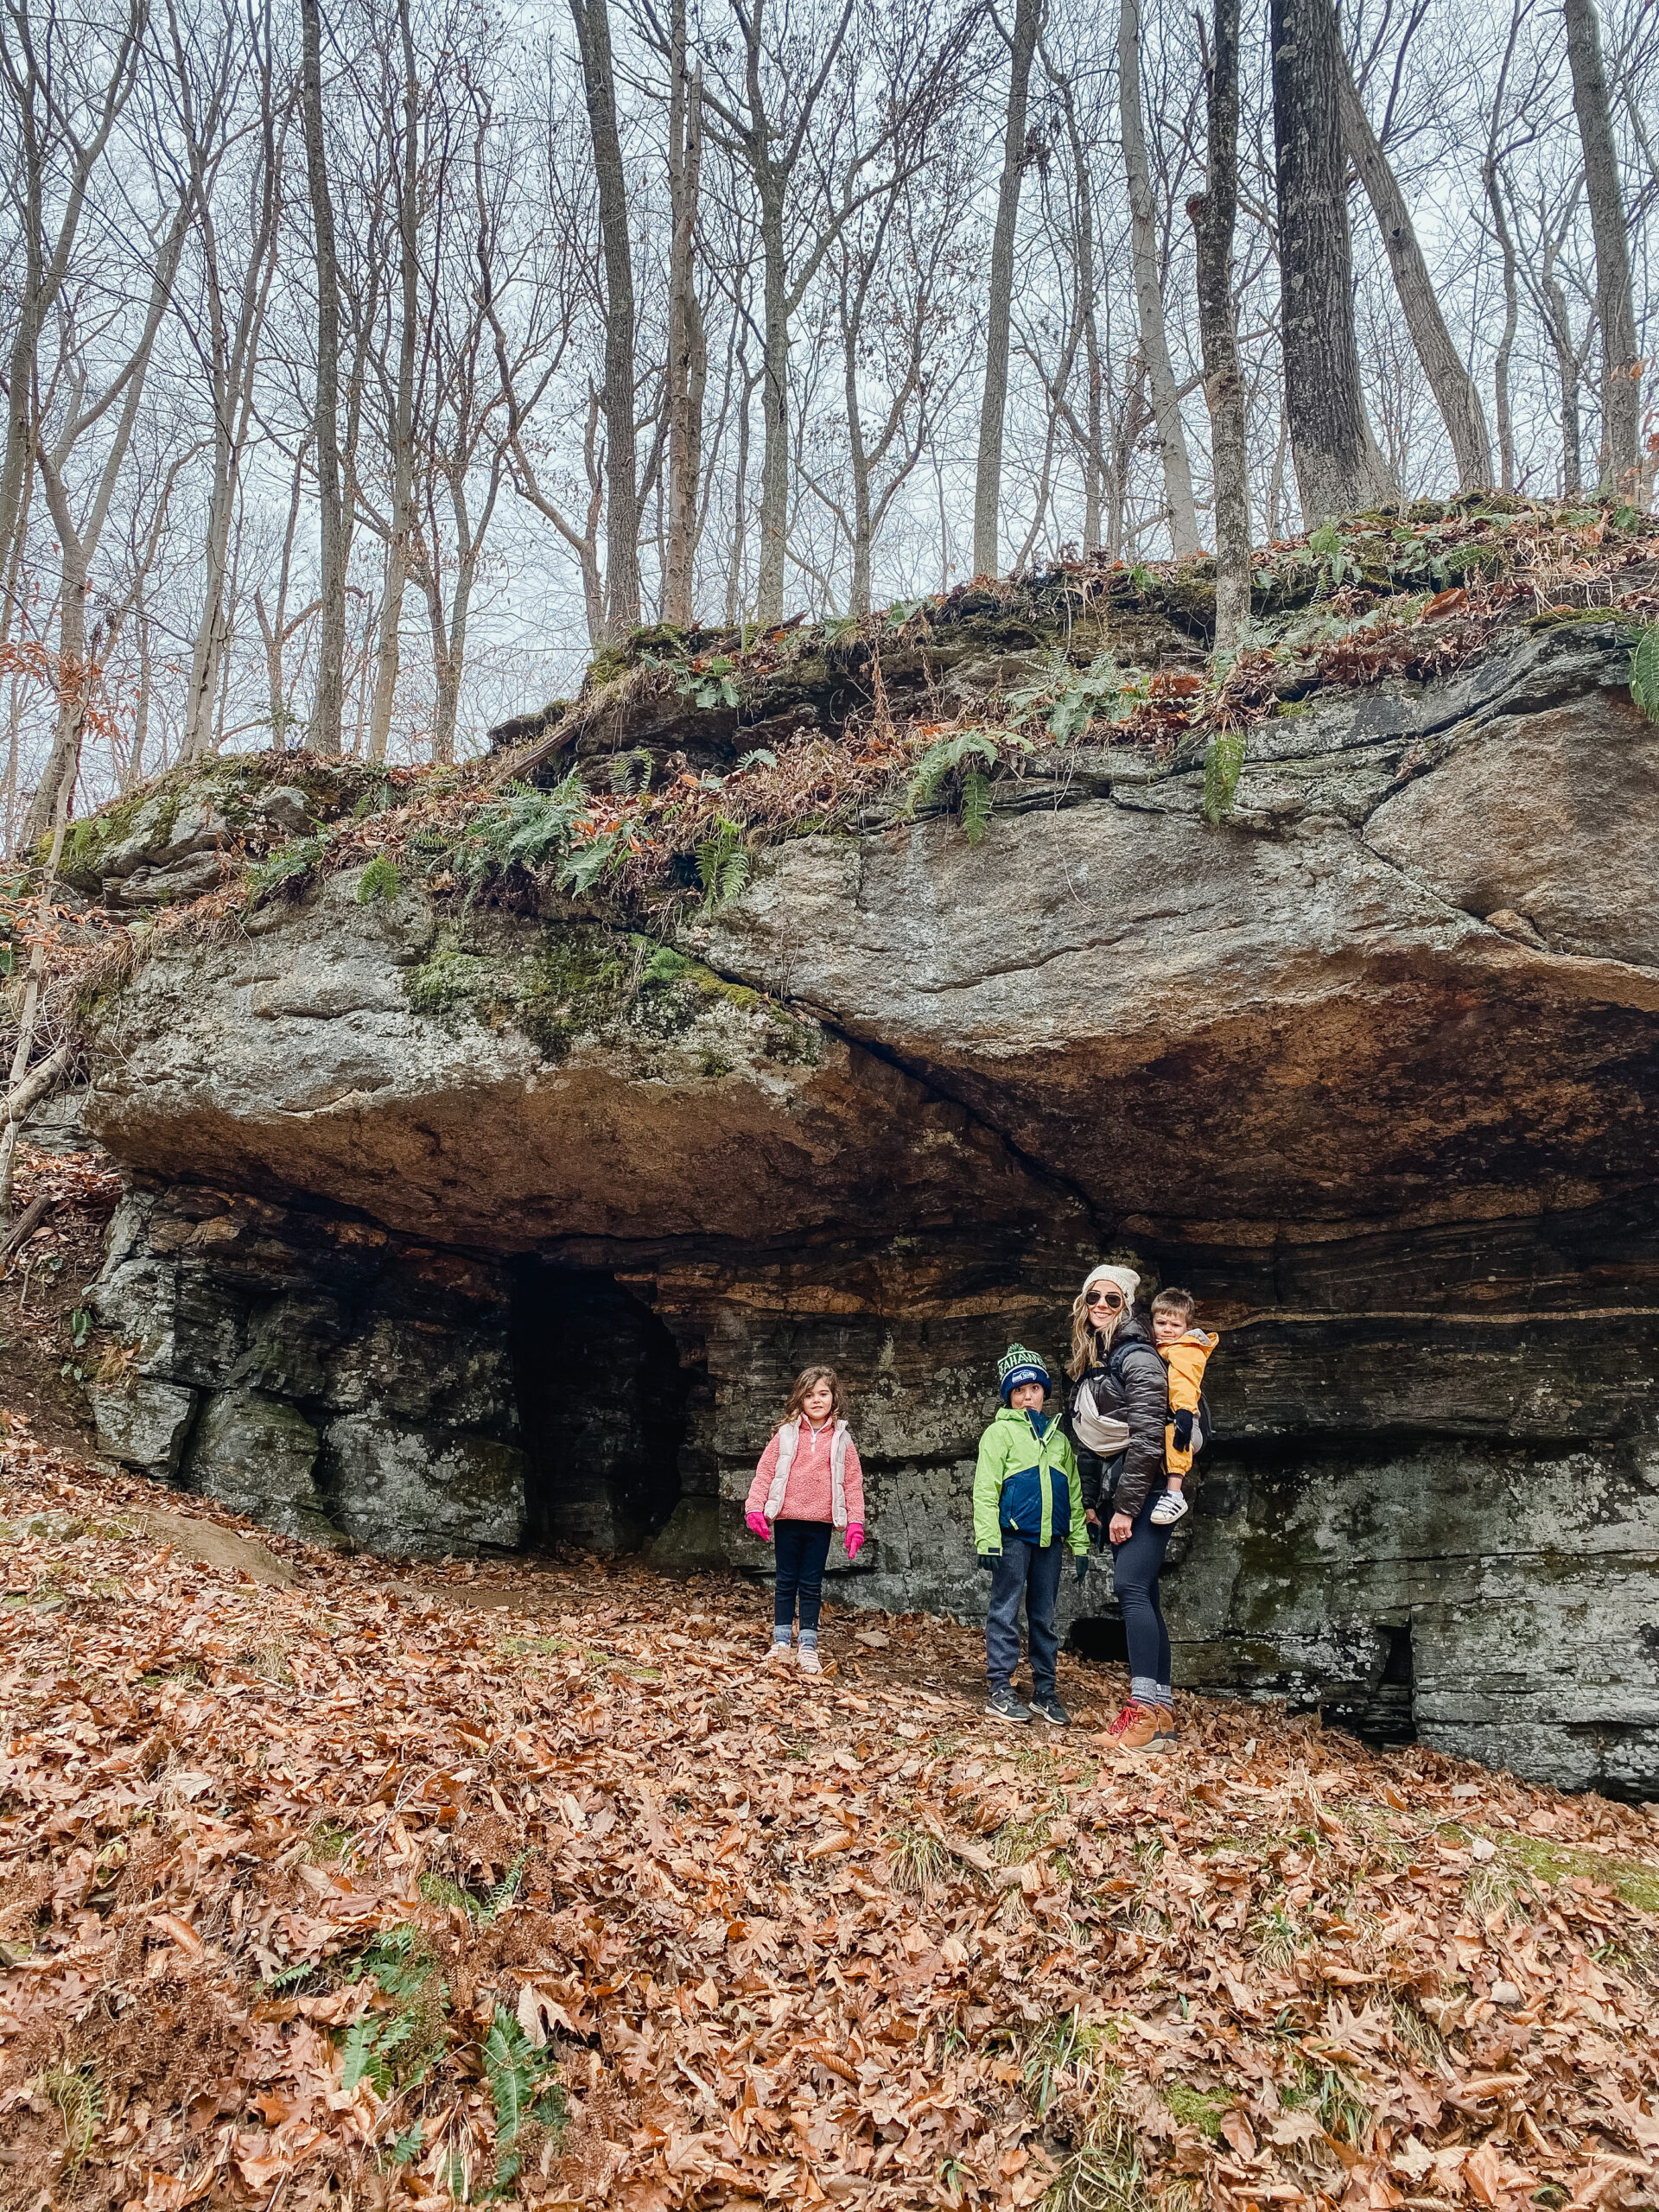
(1184, 1359)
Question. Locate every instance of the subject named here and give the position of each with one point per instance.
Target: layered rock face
(1369, 1068)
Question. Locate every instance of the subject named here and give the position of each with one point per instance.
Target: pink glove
(855, 1540)
(757, 1526)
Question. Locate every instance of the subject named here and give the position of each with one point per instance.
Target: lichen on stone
(588, 982)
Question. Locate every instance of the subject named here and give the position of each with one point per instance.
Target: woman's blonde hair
(808, 1381)
(1090, 1345)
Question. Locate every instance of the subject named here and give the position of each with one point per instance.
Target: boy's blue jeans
(1031, 1571)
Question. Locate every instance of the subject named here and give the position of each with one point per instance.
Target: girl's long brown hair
(808, 1381)
(1090, 1345)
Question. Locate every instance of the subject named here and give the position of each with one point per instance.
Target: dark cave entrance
(602, 1405)
(1099, 1638)
(1381, 1713)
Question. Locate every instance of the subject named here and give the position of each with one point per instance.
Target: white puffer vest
(788, 1437)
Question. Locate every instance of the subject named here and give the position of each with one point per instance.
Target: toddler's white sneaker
(810, 1659)
(1168, 1509)
(781, 1655)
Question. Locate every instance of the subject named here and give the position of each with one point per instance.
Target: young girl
(808, 1479)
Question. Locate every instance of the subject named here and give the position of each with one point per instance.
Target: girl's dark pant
(802, 1548)
(1134, 1583)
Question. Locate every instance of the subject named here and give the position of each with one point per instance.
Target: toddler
(808, 1482)
(1183, 1350)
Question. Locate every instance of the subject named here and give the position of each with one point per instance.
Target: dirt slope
(533, 1881)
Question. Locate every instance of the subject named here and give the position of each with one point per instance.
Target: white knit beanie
(1126, 1279)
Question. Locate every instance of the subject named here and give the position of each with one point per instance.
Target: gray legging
(1136, 1564)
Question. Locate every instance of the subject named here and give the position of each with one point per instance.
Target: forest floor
(329, 1880)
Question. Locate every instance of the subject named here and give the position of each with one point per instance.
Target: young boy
(1028, 1515)
(1183, 1350)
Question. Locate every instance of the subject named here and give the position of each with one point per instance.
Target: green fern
(1222, 764)
(382, 878)
(944, 755)
(581, 870)
(975, 805)
(1069, 699)
(1644, 674)
(290, 863)
(524, 828)
(520, 2087)
(722, 865)
(369, 2043)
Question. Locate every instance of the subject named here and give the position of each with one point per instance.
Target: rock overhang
(1401, 1146)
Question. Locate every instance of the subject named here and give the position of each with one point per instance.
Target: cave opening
(1381, 1715)
(1099, 1638)
(602, 1408)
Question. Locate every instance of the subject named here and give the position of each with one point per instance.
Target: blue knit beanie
(1017, 1365)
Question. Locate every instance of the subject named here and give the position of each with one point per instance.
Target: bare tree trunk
(26, 1085)
(987, 479)
(40, 123)
(1621, 371)
(1215, 215)
(1449, 381)
(1506, 340)
(688, 350)
(621, 466)
(1338, 465)
(328, 700)
(774, 403)
(388, 653)
(1552, 298)
(1149, 289)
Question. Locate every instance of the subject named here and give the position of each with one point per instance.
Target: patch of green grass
(1633, 1880)
(439, 1889)
(1016, 1840)
(920, 1862)
(330, 1845)
(79, 2097)
(1343, 2113)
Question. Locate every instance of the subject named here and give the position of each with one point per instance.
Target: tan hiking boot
(1135, 1728)
(1167, 1732)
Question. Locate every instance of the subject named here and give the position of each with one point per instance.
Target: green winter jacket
(1010, 1447)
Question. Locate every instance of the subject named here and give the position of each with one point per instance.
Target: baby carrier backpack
(1106, 1436)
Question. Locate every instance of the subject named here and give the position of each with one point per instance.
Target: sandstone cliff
(458, 1221)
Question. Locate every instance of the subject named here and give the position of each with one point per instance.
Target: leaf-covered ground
(324, 1880)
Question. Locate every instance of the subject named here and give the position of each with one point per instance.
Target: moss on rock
(590, 983)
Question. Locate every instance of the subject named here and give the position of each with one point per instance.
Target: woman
(1116, 1417)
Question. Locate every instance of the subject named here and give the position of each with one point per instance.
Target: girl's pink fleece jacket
(809, 1495)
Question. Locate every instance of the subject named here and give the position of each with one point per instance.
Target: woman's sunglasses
(1108, 1298)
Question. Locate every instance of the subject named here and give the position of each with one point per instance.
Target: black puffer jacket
(1133, 1386)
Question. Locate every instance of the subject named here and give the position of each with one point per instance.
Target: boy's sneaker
(1002, 1705)
(1168, 1509)
(809, 1659)
(782, 1655)
(1136, 1729)
(1050, 1709)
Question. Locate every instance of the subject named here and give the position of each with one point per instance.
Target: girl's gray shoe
(1168, 1509)
(1002, 1705)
